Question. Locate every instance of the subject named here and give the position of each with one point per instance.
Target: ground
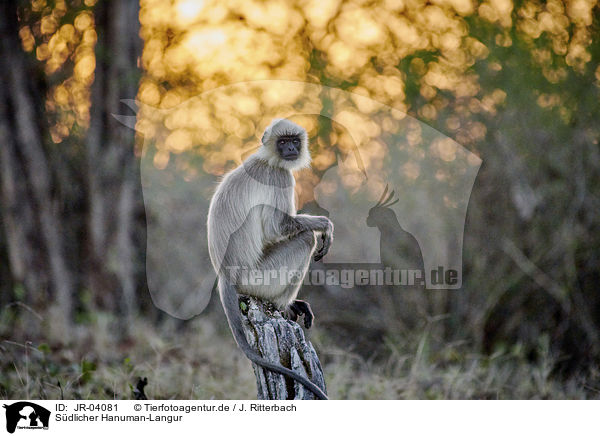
(198, 359)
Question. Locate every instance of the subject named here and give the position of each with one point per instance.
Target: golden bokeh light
(379, 52)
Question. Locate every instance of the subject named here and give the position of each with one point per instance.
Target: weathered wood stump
(282, 341)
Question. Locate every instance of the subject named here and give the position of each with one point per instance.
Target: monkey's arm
(315, 223)
(298, 223)
(278, 224)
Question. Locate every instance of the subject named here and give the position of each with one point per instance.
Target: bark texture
(280, 341)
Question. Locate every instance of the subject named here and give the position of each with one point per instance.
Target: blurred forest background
(515, 82)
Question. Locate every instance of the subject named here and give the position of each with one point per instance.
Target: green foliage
(44, 348)
(87, 370)
(19, 291)
(127, 365)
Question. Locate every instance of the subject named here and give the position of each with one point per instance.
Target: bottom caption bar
(261, 417)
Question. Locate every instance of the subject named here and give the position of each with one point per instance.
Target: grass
(198, 359)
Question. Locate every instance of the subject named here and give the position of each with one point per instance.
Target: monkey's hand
(326, 240)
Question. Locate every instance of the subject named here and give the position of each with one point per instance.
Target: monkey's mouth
(290, 156)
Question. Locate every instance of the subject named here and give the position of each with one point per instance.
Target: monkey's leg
(292, 313)
(301, 307)
(285, 264)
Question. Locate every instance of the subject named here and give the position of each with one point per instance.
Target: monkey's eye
(281, 141)
(296, 141)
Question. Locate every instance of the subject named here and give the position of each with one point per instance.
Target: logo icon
(26, 415)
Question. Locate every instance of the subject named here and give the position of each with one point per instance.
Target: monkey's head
(285, 145)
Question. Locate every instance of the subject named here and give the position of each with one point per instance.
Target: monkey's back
(240, 209)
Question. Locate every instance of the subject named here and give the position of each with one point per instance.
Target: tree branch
(279, 341)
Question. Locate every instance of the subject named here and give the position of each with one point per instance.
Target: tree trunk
(25, 142)
(279, 341)
(112, 184)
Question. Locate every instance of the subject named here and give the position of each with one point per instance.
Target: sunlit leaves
(63, 39)
(410, 54)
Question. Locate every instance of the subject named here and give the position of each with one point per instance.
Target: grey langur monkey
(253, 226)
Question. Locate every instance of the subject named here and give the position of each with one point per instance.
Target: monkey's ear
(266, 134)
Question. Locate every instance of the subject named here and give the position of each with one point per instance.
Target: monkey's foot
(299, 308)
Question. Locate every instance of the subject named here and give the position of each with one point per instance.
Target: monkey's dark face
(288, 147)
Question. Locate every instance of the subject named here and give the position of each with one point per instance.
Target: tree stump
(282, 341)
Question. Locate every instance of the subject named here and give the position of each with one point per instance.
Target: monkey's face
(285, 145)
(288, 147)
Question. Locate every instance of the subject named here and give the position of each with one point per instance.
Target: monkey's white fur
(253, 226)
(242, 218)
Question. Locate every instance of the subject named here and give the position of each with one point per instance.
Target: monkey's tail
(229, 299)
